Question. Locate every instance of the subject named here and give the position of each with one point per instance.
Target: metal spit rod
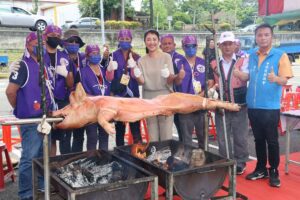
(30, 121)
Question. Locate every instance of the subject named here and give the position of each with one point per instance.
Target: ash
(87, 172)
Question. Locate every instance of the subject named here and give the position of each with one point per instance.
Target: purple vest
(90, 82)
(29, 94)
(60, 91)
(198, 73)
(176, 57)
(133, 84)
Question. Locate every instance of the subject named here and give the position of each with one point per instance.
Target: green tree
(91, 8)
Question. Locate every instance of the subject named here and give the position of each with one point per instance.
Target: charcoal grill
(134, 186)
(193, 183)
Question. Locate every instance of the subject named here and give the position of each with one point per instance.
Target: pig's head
(79, 112)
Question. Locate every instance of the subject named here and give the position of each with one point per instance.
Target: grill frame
(67, 192)
(167, 178)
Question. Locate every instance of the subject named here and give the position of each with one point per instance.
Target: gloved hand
(44, 127)
(165, 73)
(14, 66)
(212, 93)
(131, 61)
(62, 70)
(137, 72)
(113, 65)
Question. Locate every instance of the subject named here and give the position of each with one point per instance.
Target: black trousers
(120, 132)
(264, 125)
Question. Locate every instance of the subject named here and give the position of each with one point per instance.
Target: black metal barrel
(192, 183)
(133, 187)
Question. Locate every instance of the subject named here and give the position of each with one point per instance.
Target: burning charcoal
(198, 158)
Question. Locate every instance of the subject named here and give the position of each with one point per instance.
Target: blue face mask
(125, 45)
(35, 50)
(95, 59)
(190, 51)
(72, 48)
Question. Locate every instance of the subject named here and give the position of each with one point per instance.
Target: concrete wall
(15, 39)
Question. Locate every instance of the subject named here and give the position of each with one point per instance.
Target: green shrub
(113, 24)
(178, 26)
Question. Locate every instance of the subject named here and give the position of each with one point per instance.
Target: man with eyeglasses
(194, 82)
(167, 45)
(234, 75)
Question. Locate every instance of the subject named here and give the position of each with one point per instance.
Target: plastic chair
(8, 171)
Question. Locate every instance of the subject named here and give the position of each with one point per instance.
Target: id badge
(125, 79)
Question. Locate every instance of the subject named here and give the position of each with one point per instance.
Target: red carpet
(260, 189)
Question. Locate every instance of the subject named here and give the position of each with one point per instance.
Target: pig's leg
(105, 115)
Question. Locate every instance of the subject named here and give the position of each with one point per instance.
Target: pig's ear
(72, 98)
(80, 94)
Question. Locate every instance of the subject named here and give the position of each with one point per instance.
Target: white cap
(227, 36)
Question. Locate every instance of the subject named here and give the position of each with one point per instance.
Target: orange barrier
(6, 136)
(143, 130)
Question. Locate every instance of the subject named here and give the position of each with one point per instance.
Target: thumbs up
(113, 65)
(271, 76)
(181, 73)
(131, 62)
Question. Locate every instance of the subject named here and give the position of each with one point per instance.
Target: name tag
(125, 79)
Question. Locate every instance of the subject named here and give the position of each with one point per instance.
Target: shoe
(41, 190)
(240, 170)
(258, 174)
(274, 180)
(27, 198)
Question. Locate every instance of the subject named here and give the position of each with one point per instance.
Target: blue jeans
(32, 147)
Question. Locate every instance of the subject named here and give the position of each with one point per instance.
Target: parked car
(291, 48)
(13, 16)
(247, 42)
(85, 22)
(249, 28)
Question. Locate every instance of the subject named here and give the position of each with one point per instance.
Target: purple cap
(53, 29)
(30, 37)
(189, 39)
(124, 33)
(92, 48)
(166, 36)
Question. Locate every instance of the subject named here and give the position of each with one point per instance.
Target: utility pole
(123, 10)
(102, 21)
(151, 13)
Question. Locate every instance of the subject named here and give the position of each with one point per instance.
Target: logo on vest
(200, 68)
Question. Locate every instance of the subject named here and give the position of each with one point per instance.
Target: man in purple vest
(61, 82)
(124, 84)
(194, 82)
(167, 45)
(72, 42)
(24, 95)
(234, 76)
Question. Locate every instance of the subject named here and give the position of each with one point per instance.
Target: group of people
(161, 71)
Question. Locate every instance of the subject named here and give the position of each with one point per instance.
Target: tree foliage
(91, 8)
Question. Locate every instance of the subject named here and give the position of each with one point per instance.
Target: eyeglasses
(190, 46)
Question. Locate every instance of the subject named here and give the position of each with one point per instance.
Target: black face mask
(53, 42)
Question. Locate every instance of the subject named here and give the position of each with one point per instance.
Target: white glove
(14, 66)
(113, 65)
(212, 93)
(137, 72)
(44, 127)
(165, 73)
(62, 70)
(131, 61)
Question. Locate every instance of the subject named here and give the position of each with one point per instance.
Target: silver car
(85, 22)
(12, 16)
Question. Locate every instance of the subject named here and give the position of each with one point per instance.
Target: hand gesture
(165, 72)
(131, 62)
(113, 65)
(181, 73)
(62, 70)
(137, 72)
(236, 72)
(271, 76)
